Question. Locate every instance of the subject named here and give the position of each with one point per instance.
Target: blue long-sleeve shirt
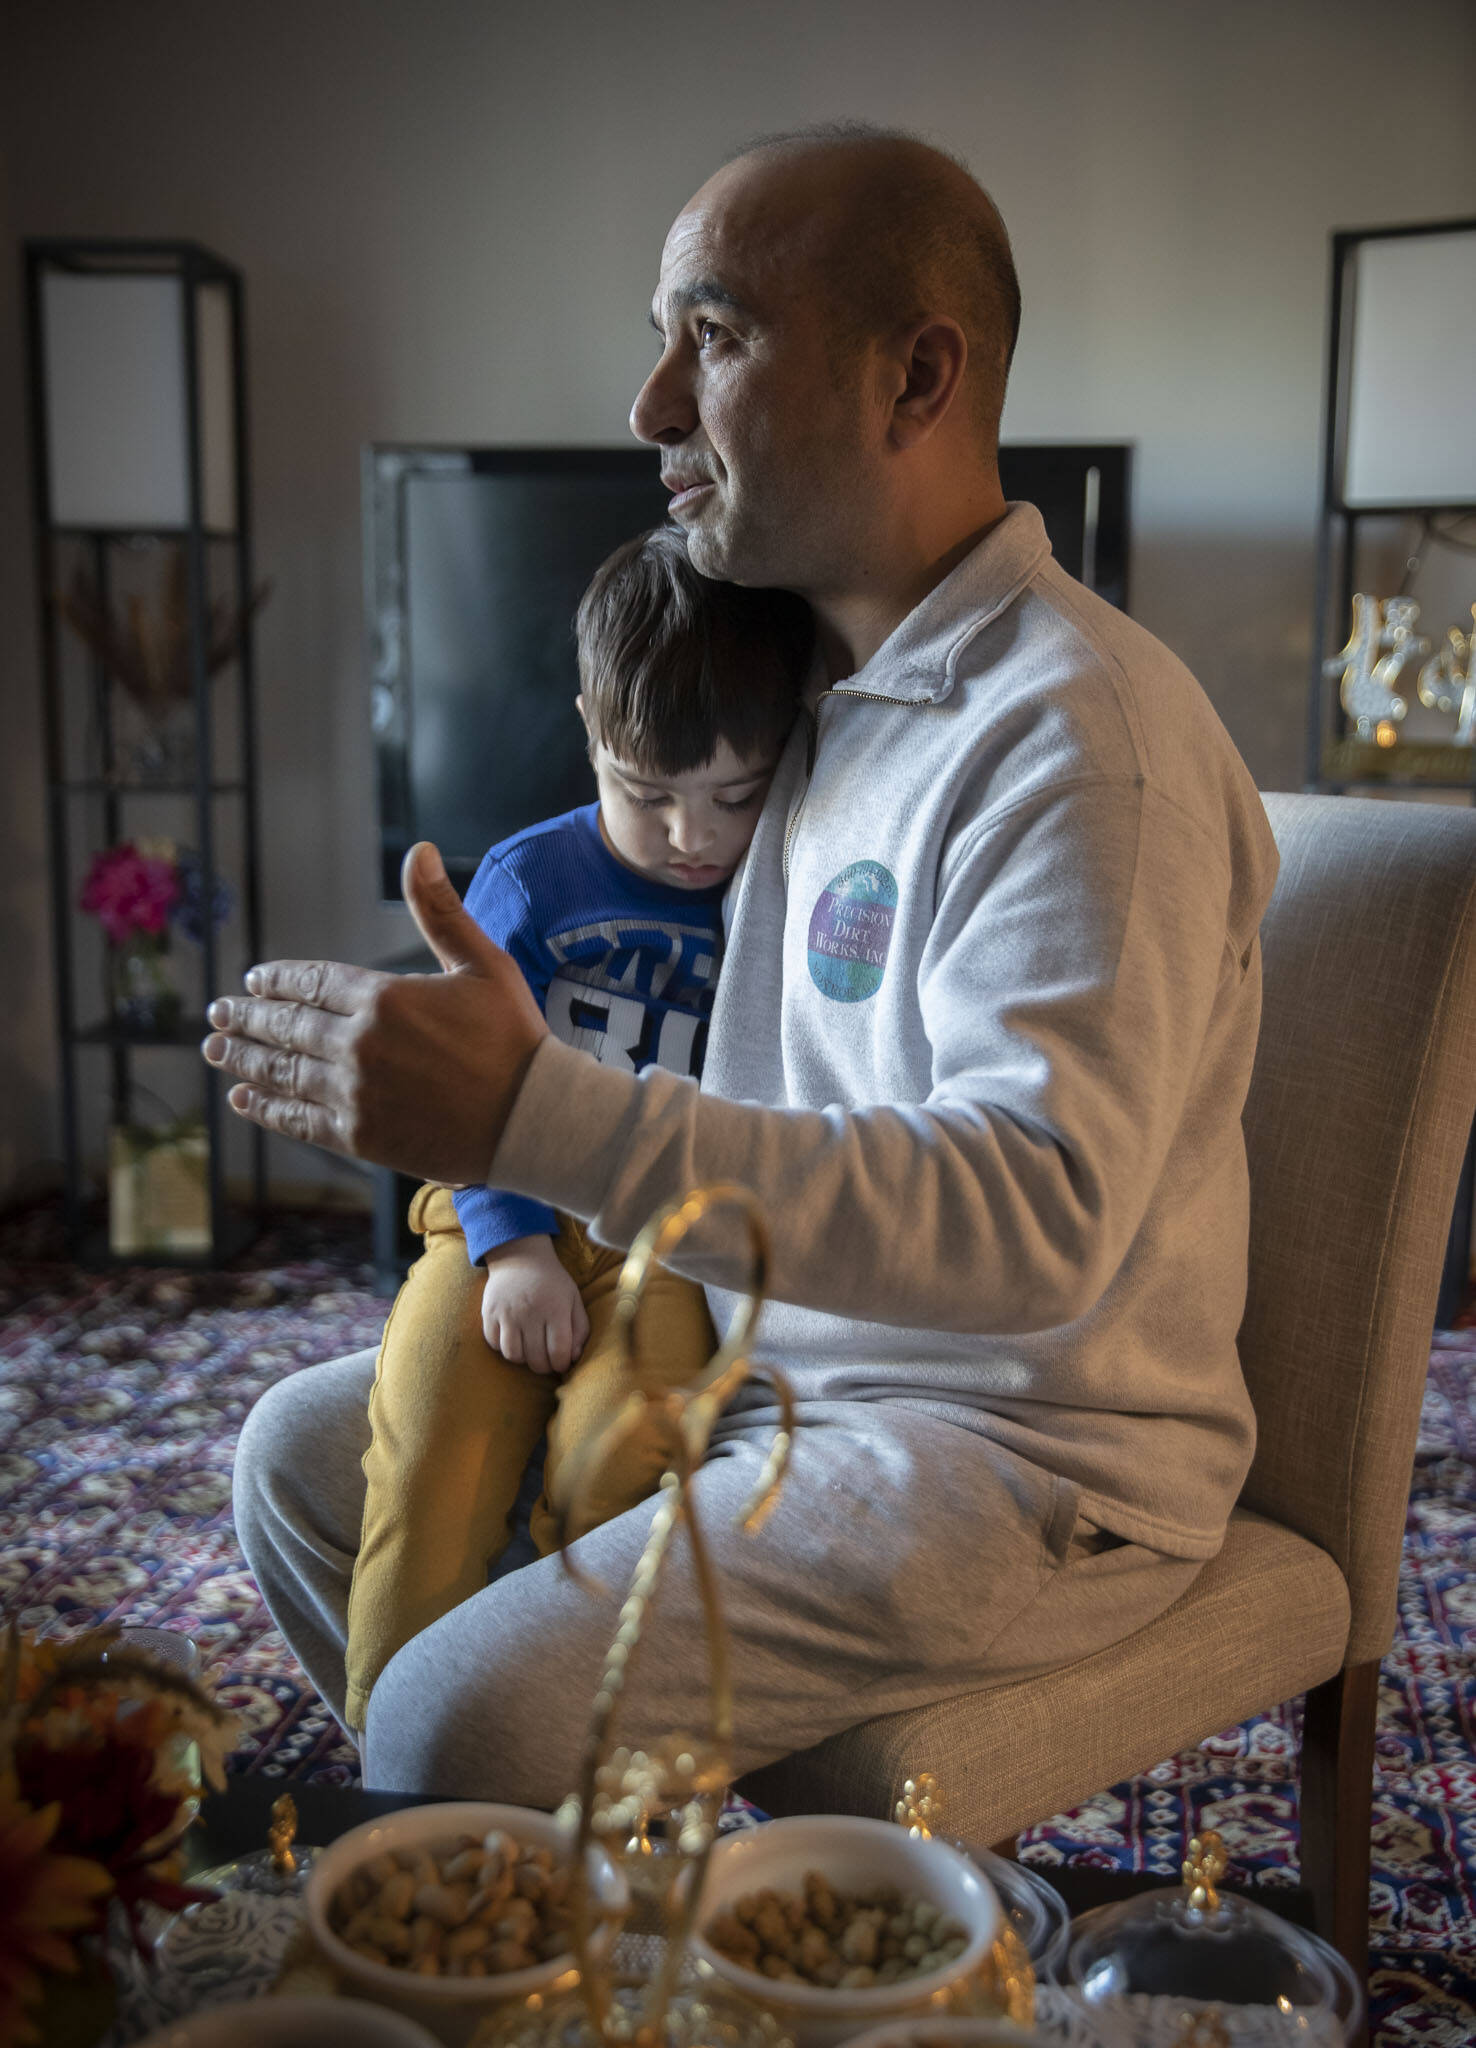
(622, 967)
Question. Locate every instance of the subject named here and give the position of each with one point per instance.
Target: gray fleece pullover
(981, 1044)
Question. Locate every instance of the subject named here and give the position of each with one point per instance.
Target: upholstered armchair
(1359, 1111)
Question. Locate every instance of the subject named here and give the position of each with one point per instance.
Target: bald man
(983, 1037)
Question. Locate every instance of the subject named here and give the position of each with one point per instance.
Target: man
(984, 1033)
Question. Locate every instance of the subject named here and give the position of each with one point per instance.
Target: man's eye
(707, 330)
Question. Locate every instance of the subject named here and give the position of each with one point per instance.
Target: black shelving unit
(93, 800)
(1337, 760)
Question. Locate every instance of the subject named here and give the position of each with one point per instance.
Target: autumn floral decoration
(97, 1780)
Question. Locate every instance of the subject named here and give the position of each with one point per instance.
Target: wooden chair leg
(1337, 1808)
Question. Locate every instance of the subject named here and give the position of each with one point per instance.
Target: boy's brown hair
(671, 662)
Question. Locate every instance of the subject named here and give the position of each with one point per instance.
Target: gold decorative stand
(641, 1992)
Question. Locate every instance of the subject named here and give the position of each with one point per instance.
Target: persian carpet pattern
(121, 1395)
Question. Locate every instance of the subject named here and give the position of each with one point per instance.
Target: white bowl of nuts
(838, 1924)
(442, 1912)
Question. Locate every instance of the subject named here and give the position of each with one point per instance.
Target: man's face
(768, 445)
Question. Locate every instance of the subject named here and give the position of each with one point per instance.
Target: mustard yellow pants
(454, 1424)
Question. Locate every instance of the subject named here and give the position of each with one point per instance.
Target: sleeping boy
(503, 1328)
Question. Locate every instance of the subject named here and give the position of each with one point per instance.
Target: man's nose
(663, 412)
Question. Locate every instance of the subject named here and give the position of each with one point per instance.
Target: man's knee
(258, 1459)
(425, 1732)
(285, 1451)
(306, 1435)
(482, 1704)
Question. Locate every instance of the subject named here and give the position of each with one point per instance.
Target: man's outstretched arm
(1063, 1048)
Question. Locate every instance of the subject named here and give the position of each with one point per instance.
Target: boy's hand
(531, 1310)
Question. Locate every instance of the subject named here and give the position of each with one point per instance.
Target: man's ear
(930, 361)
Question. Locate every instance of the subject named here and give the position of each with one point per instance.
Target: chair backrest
(1360, 1107)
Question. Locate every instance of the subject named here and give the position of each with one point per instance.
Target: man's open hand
(414, 1071)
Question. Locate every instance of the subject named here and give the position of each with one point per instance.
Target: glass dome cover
(1034, 1908)
(1196, 1967)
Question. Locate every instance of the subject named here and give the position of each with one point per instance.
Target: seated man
(980, 1048)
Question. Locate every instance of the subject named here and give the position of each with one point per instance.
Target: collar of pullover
(917, 662)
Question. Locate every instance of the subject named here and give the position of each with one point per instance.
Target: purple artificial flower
(189, 910)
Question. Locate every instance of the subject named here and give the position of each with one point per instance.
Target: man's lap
(906, 1561)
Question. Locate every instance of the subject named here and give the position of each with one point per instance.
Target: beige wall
(449, 214)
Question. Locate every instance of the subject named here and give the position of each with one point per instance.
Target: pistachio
(469, 1908)
(827, 1938)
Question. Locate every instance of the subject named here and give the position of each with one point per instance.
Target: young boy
(614, 914)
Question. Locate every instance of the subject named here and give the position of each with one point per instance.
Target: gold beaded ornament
(1202, 1868)
(1006, 1981)
(636, 1991)
(639, 1989)
(282, 1834)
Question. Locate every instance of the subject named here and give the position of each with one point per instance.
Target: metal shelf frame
(1330, 745)
(1338, 524)
(193, 266)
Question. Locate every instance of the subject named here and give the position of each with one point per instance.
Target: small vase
(145, 1000)
(162, 755)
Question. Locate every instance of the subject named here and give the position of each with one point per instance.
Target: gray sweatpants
(907, 1560)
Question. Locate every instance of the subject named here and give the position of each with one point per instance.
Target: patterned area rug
(121, 1394)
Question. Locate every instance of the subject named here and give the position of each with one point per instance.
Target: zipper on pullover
(835, 690)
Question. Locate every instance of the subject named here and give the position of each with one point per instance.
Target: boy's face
(689, 830)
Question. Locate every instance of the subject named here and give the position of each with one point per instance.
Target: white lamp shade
(116, 421)
(1412, 383)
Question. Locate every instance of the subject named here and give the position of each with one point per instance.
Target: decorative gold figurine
(1381, 644)
(282, 1833)
(920, 1808)
(1203, 1867)
(1447, 682)
(1006, 1983)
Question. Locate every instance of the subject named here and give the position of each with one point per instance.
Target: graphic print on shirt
(618, 986)
(851, 931)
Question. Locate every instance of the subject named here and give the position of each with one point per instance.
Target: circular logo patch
(851, 931)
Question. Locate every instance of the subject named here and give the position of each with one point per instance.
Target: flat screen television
(475, 559)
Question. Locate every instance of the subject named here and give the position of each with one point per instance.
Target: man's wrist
(513, 1088)
(566, 1130)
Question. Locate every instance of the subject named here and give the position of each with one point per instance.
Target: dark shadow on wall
(1237, 610)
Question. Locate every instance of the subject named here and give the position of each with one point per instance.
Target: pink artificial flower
(130, 893)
